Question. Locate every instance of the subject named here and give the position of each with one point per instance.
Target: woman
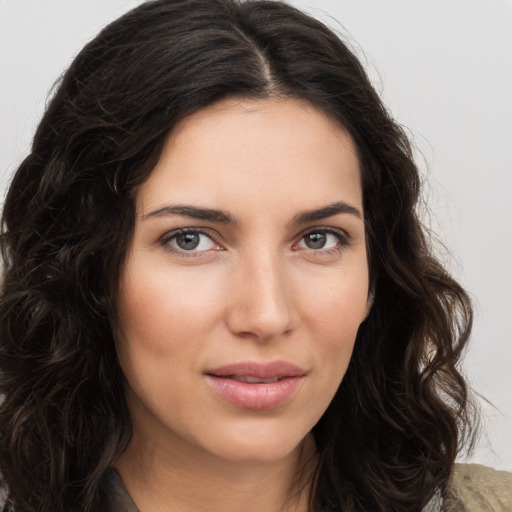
(217, 293)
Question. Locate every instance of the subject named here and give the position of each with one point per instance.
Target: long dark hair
(388, 440)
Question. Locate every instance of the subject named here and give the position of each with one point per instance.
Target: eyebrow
(327, 211)
(223, 217)
(193, 212)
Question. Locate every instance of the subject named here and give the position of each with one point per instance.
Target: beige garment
(477, 488)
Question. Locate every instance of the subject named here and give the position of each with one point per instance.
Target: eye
(189, 241)
(323, 239)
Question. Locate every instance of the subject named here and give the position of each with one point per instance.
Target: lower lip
(254, 396)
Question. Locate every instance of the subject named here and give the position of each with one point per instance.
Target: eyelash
(343, 238)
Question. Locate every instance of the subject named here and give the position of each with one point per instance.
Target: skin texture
(252, 290)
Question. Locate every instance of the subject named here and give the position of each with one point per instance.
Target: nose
(261, 305)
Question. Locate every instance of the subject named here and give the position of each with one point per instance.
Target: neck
(188, 479)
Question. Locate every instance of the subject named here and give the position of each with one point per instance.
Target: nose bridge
(262, 301)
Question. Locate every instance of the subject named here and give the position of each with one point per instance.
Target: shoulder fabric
(115, 495)
(477, 488)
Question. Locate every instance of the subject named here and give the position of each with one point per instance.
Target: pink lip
(256, 395)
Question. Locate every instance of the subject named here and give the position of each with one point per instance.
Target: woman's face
(245, 282)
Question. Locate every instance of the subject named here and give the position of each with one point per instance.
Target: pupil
(188, 241)
(316, 240)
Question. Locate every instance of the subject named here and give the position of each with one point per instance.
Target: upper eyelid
(173, 232)
(211, 233)
(326, 229)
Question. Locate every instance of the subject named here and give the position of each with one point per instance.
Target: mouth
(253, 380)
(252, 371)
(252, 385)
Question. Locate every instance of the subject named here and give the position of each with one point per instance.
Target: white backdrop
(444, 70)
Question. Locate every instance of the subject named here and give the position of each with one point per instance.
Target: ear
(369, 304)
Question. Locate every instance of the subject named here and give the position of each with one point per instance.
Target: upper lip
(266, 370)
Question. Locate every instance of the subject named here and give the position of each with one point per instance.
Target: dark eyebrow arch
(327, 211)
(192, 212)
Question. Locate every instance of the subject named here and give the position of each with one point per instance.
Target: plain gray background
(443, 67)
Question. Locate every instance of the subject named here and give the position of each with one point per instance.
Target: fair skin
(274, 282)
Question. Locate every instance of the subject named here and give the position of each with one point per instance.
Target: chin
(265, 446)
(256, 455)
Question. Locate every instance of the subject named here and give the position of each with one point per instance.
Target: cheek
(333, 313)
(160, 346)
(162, 310)
(164, 320)
(337, 302)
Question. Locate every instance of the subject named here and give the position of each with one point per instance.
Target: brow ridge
(192, 212)
(216, 215)
(327, 211)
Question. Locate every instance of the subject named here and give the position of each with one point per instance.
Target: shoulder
(477, 488)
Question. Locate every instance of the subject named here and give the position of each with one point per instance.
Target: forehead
(277, 150)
